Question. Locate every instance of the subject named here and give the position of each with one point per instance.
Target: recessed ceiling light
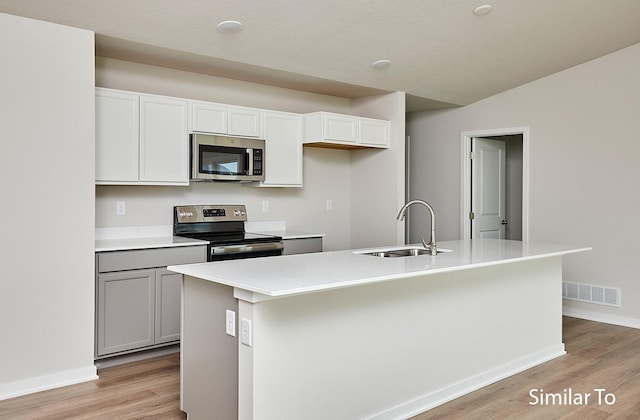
(230, 27)
(482, 10)
(381, 64)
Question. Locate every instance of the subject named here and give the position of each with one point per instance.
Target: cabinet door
(340, 128)
(117, 128)
(164, 145)
(283, 155)
(168, 285)
(125, 310)
(374, 133)
(208, 117)
(243, 121)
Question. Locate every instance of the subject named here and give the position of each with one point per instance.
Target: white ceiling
(442, 53)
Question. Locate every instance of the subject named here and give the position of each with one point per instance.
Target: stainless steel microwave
(224, 158)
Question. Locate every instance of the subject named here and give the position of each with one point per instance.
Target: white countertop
(291, 234)
(296, 274)
(279, 228)
(141, 237)
(124, 244)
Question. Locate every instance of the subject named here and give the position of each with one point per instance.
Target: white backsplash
(131, 232)
(265, 226)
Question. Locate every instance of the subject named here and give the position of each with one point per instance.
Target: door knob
(504, 222)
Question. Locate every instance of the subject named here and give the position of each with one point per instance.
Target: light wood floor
(147, 389)
(600, 356)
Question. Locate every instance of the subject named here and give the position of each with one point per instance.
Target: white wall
(584, 173)
(378, 179)
(328, 174)
(47, 212)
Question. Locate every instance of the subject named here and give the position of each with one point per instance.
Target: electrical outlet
(120, 208)
(230, 323)
(245, 332)
(265, 206)
(329, 205)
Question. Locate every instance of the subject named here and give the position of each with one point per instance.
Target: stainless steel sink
(402, 252)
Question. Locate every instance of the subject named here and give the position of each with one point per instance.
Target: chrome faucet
(431, 246)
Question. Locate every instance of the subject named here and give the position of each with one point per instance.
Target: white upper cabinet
(337, 127)
(117, 130)
(325, 129)
(322, 128)
(283, 154)
(164, 145)
(373, 133)
(244, 121)
(141, 139)
(209, 117)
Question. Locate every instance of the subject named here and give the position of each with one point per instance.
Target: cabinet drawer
(150, 258)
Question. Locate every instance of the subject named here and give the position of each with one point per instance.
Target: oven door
(251, 250)
(220, 158)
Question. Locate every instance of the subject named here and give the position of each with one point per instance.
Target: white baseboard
(45, 382)
(601, 317)
(451, 392)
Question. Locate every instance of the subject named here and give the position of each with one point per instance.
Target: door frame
(465, 175)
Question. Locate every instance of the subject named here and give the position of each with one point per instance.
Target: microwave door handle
(249, 161)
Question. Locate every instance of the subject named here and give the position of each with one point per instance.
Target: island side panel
(393, 349)
(208, 356)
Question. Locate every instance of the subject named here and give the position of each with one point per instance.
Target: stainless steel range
(223, 227)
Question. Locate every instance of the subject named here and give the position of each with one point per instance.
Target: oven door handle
(246, 248)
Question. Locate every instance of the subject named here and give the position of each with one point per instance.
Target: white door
(488, 188)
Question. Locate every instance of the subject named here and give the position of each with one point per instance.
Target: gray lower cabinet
(168, 286)
(126, 311)
(138, 299)
(302, 245)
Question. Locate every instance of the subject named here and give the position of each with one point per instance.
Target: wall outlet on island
(246, 335)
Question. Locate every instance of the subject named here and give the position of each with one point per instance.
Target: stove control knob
(236, 212)
(185, 214)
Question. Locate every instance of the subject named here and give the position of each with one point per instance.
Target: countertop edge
(291, 234)
(191, 270)
(130, 244)
(372, 280)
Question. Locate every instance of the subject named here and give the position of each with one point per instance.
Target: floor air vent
(601, 295)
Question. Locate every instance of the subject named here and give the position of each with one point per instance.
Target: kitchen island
(346, 335)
